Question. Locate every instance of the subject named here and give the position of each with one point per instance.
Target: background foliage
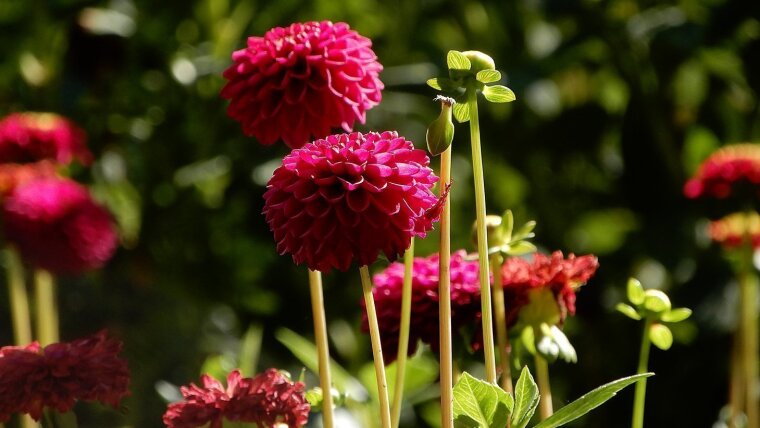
(618, 100)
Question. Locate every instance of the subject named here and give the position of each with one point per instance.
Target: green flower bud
(656, 301)
(479, 61)
(440, 133)
(494, 232)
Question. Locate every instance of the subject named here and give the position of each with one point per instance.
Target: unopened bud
(440, 133)
(479, 61)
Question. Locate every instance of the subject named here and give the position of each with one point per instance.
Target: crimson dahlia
(302, 81)
(735, 229)
(61, 374)
(268, 400)
(30, 137)
(57, 226)
(349, 197)
(726, 169)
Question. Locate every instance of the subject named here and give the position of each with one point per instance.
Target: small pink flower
(735, 229)
(724, 170)
(268, 400)
(424, 326)
(57, 226)
(302, 81)
(61, 374)
(349, 197)
(30, 137)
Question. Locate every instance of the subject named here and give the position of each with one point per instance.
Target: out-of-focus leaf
(661, 336)
(635, 291)
(676, 315)
(628, 311)
(250, 350)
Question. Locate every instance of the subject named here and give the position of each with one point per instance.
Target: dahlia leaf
(526, 399)
(457, 61)
(461, 112)
(479, 404)
(499, 94)
(589, 402)
(628, 311)
(635, 291)
(676, 315)
(661, 336)
(488, 76)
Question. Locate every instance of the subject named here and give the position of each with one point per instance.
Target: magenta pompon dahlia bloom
(30, 137)
(56, 225)
(734, 230)
(349, 197)
(302, 81)
(13, 175)
(424, 325)
(56, 377)
(724, 170)
(269, 400)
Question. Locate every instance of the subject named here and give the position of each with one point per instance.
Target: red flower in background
(424, 326)
(61, 374)
(13, 175)
(724, 170)
(57, 226)
(30, 137)
(349, 197)
(268, 400)
(302, 81)
(735, 229)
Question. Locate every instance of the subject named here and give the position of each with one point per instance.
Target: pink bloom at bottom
(268, 400)
(61, 374)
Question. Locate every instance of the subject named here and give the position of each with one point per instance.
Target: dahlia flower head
(58, 375)
(562, 276)
(302, 81)
(726, 170)
(30, 137)
(13, 175)
(269, 400)
(348, 198)
(424, 325)
(734, 230)
(55, 225)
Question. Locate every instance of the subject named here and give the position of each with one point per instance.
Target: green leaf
(521, 247)
(250, 350)
(526, 231)
(433, 83)
(628, 311)
(457, 61)
(443, 84)
(635, 291)
(526, 399)
(479, 404)
(499, 94)
(507, 225)
(589, 402)
(656, 301)
(676, 315)
(461, 112)
(488, 76)
(661, 336)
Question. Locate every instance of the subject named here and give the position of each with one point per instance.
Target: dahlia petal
(358, 200)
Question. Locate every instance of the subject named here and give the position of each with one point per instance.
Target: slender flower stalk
(641, 385)
(480, 207)
(545, 407)
(501, 323)
(444, 293)
(377, 351)
(403, 336)
(47, 307)
(748, 293)
(736, 384)
(323, 350)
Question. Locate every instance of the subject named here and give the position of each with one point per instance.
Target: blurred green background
(618, 101)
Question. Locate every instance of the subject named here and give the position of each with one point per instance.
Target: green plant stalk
(499, 312)
(748, 284)
(47, 307)
(545, 407)
(641, 385)
(323, 349)
(19, 299)
(377, 349)
(444, 298)
(736, 384)
(403, 335)
(480, 208)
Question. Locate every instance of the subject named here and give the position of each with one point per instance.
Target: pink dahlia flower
(13, 175)
(724, 170)
(424, 325)
(30, 137)
(61, 374)
(302, 81)
(349, 197)
(57, 226)
(734, 230)
(269, 400)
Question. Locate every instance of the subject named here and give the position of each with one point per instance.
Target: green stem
(545, 407)
(47, 307)
(444, 297)
(19, 300)
(403, 336)
(501, 323)
(736, 383)
(480, 207)
(748, 284)
(323, 349)
(377, 349)
(641, 385)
